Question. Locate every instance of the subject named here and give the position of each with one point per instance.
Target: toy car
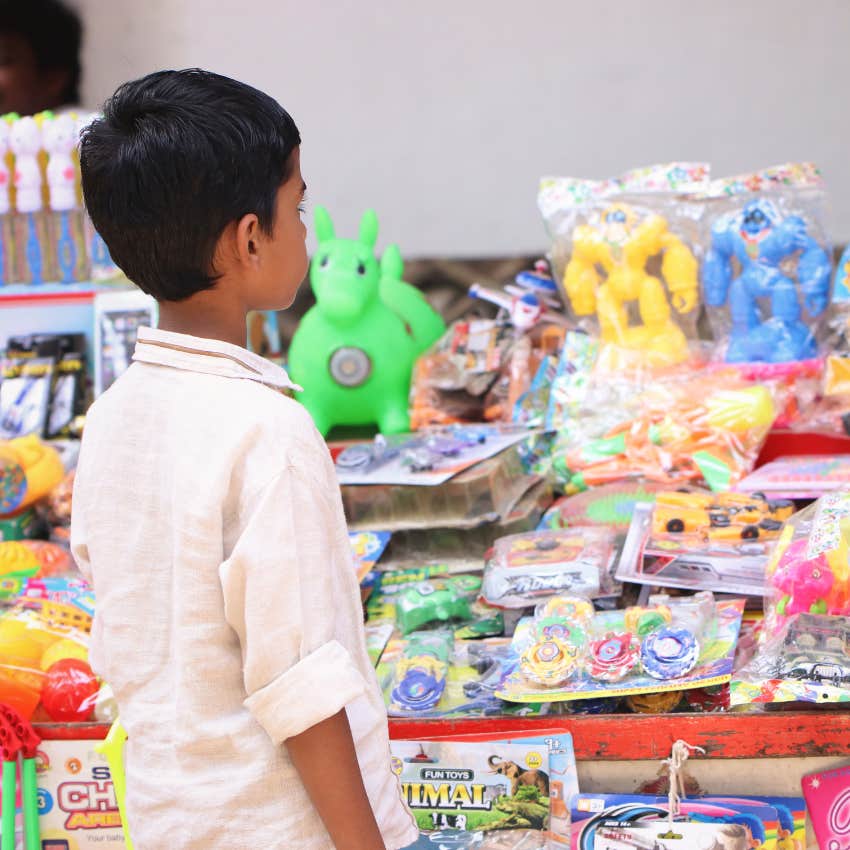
(418, 459)
(437, 599)
(363, 457)
(821, 632)
(827, 672)
(719, 516)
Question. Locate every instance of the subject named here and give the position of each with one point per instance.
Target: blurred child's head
(194, 182)
(39, 56)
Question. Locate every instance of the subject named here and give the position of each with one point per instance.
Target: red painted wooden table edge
(619, 737)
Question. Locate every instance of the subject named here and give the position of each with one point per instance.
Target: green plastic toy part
(112, 747)
(354, 352)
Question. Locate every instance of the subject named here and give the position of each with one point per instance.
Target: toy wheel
(806, 641)
(350, 366)
(751, 532)
(675, 526)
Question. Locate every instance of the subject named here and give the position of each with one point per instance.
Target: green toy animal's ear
(392, 265)
(369, 228)
(324, 225)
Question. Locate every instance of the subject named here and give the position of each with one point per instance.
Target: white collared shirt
(207, 513)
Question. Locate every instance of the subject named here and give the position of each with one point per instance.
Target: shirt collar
(209, 356)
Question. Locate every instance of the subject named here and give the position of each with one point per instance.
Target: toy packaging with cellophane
(569, 652)
(703, 541)
(767, 268)
(523, 569)
(452, 380)
(44, 668)
(423, 676)
(804, 653)
(626, 253)
(367, 546)
(672, 426)
(799, 476)
(743, 823)
(489, 794)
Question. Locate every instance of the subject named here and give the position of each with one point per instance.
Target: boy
(228, 617)
(39, 56)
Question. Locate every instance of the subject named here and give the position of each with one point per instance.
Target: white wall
(443, 115)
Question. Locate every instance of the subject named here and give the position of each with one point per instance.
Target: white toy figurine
(25, 142)
(5, 202)
(60, 139)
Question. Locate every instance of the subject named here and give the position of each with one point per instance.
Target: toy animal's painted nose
(342, 301)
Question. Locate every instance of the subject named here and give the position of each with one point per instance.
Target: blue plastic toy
(761, 241)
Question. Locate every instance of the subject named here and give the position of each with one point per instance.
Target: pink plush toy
(805, 583)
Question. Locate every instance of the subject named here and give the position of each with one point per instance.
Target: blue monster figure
(760, 240)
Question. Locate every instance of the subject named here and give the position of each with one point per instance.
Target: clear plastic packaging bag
(767, 269)
(809, 570)
(626, 253)
(672, 426)
(804, 649)
(44, 669)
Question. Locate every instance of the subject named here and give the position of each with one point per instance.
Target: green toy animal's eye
(361, 269)
(325, 260)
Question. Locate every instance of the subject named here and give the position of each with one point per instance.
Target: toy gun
(17, 739)
(524, 308)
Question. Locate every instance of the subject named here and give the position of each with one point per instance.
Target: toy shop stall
(601, 522)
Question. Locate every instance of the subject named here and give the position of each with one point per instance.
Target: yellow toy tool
(113, 748)
(609, 271)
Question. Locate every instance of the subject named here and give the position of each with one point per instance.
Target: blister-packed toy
(703, 541)
(671, 426)
(481, 367)
(436, 600)
(766, 274)
(525, 568)
(428, 675)
(626, 252)
(568, 652)
(420, 674)
(806, 660)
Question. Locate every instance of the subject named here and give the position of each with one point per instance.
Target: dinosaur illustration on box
(354, 351)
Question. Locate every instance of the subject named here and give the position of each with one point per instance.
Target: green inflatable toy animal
(354, 352)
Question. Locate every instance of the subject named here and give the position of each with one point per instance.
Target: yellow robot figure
(608, 270)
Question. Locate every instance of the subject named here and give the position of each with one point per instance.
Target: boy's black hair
(55, 35)
(176, 157)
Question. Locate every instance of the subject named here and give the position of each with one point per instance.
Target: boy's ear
(324, 225)
(369, 229)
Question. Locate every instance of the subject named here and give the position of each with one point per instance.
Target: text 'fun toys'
(609, 271)
(760, 243)
(353, 353)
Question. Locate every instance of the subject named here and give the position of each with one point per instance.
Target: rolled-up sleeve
(275, 587)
